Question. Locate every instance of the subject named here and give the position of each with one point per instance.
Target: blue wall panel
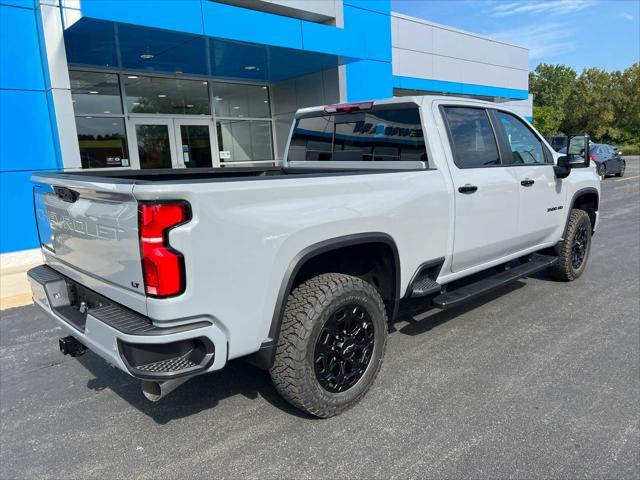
(324, 38)
(369, 27)
(428, 85)
(26, 139)
(223, 21)
(20, 62)
(181, 15)
(17, 225)
(366, 35)
(19, 3)
(370, 32)
(369, 80)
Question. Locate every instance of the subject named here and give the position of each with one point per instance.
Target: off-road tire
(564, 269)
(308, 308)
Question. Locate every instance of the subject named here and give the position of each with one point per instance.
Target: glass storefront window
(242, 117)
(244, 140)
(103, 142)
(166, 95)
(95, 93)
(241, 101)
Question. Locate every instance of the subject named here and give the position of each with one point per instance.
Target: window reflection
(241, 101)
(166, 95)
(243, 140)
(103, 142)
(154, 146)
(242, 112)
(95, 93)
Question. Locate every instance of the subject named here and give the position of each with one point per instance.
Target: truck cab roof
(411, 99)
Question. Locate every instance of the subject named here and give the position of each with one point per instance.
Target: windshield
(377, 135)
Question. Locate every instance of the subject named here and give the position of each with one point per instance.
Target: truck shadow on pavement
(200, 393)
(205, 392)
(415, 319)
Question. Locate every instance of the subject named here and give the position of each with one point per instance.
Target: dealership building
(140, 84)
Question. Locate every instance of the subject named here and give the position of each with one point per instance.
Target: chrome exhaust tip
(154, 391)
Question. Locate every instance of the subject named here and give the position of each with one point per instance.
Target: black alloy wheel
(579, 247)
(344, 348)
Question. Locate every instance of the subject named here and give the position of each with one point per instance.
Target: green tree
(589, 107)
(604, 105)
(625, 96)
(546, 119)
(551, 86)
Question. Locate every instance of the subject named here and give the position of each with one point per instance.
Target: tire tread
(304, 305)
(562, 269)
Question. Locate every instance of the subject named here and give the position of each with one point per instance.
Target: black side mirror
(563, 168)
(577, 151)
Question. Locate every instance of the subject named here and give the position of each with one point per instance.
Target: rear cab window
(386, 133)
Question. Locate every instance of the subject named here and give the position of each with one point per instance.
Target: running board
(468, 292)
(425, 286)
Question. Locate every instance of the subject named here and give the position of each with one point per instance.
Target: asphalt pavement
(541, 379)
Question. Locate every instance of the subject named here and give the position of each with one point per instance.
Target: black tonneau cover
(189, 175)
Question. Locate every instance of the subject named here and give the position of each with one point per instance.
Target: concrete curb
(15, 290)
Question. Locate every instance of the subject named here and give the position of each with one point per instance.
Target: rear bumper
(126, 339)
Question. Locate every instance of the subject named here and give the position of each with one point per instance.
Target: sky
(578, 33)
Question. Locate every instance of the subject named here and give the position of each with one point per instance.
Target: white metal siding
(422, 49)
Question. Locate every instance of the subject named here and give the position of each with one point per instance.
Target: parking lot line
(628, 178)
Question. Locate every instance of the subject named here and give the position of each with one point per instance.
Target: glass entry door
(172, 143)
(195, 145)
(154, 143)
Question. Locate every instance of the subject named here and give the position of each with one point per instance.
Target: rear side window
(372, 136)
(472, 139)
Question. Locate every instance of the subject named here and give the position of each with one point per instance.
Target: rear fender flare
(264, 357)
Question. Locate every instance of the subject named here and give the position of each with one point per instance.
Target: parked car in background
(608, 160)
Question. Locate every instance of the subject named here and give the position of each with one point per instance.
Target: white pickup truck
(300, 268)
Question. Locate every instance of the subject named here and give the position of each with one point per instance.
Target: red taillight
(592, 158)
(162, 266)
(348, 107)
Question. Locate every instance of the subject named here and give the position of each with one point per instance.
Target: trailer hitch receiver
(71, 346)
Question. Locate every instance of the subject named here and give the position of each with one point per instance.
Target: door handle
(467, 189)
(527, 182)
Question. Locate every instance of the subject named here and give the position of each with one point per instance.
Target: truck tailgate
(91, 228)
